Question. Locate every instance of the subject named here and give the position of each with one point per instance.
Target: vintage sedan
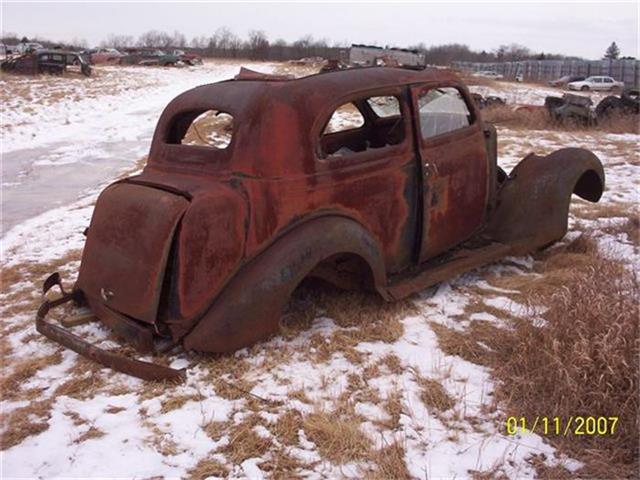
(383, 179)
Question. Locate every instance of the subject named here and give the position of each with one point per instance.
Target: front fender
(250, 306)
(533, 203)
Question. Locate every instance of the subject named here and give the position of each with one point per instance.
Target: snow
(438, 444)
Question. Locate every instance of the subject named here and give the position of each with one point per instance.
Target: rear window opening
(210, 128)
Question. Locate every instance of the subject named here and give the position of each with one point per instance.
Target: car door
(454, 167)
(607, 83)
(597, 83)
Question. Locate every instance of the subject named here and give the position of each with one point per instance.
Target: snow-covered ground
(530, 93)
(118, 426)
(62, 136)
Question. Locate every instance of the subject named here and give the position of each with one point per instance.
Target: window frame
(419, 89)
(197, 154)
(325, 161)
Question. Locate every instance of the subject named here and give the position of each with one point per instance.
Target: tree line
(224, 43)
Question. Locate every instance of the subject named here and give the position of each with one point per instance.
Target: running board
(437, 270)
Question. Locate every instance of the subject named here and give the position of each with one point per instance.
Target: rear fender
(533, 203)
(250, 306)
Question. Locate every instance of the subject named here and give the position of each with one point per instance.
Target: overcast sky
(584, 29)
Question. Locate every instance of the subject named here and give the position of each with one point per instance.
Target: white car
(488, 74)
(596, 83)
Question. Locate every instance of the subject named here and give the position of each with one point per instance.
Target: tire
(608, 106)
(584, 88)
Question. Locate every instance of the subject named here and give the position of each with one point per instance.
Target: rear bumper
(120, 363)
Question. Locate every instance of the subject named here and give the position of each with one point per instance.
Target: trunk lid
(128, 243)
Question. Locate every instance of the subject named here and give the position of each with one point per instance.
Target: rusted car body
(54, 62)
(205, 246)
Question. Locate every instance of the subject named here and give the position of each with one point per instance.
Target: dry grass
(93, 432)
(390, 464)
(24, 422)
(462, 344)
(393, 406)
(244, 441)
(208, 467)
(81, 388)
(583, 362)
(366, 315)
(338, 437)
(23, 370)
(433, 394)
(538, 119)
(178, 401)
(287, 426)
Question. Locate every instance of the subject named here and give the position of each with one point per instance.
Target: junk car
(148, 56)
(55, 62)
(384, 179)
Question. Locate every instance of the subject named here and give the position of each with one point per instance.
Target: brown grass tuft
(390, 464)
(208, 467)
(433, 394)
(174, 403)
(81, 388)
(24, 370)
(453, 342)
(338, 438)
(244, 442)
(287, 426)
(93, 432)
(25, 422)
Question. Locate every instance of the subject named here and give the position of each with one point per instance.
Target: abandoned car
(374, 178)
(54, 62)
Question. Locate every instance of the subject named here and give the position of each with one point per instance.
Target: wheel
(585, 88)
(608, 105)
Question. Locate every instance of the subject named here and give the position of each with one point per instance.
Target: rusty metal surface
(136, 368)
(127, 246)
(205, 246)
(533, 202)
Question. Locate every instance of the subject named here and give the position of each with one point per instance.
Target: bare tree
(118, 41)
(178, 39)
(199, 42)
(155, 38)
(513, 52)
(258, 44)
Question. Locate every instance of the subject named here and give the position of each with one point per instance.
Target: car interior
(372, 122)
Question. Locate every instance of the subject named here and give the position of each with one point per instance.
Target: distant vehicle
(596, 83)
(26, 47)
(564, 80)
(520, 78)
(105, 55)
(488, 74)
(148, 56)
(54, 62)
(188, 58)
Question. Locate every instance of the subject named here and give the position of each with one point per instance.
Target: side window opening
(345, 117)
(442, 110)
(209, 128)
(384, 107)
(357, 126)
